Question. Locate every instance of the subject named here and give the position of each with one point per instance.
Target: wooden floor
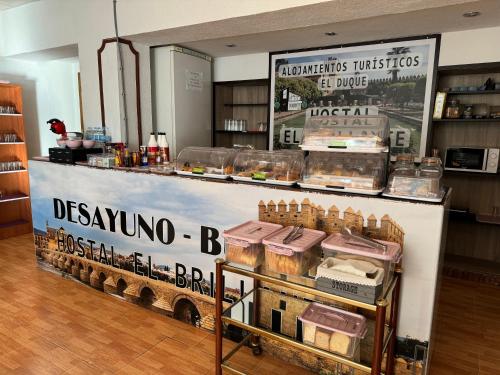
(51, 325)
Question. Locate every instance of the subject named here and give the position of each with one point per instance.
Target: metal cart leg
(255, 340)
(389, 368)
(378, 344)
(219, 295)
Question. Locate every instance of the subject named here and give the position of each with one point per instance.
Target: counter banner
(154, 239)
(393, 79)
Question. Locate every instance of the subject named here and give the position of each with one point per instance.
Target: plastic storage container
(213, 162)
(332, 329)
(383, 255)
(295, 257)
(346, 133)
(101, 160)
(350, 172)
(424, 184)
(243, 244)
(270, 167)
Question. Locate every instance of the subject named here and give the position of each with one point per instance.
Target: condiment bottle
(164, 148)
(127, 160)
(152, 149)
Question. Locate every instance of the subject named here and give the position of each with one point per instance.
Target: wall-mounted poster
(393, 79)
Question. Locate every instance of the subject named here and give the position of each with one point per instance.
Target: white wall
(470, 46)
(241, 67)
(50, 90)
(461, 47)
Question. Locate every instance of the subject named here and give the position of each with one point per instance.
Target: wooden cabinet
(15, 207)
(473, 193)
(241, 111)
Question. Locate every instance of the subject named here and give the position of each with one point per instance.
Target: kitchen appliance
(472, 159)
(182, 97)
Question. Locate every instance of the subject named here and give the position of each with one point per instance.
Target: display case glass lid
(279, 165)
(346, 244)
(252, 231)
(346, 133)
(336, 320)
(206, 160)
(308, 238)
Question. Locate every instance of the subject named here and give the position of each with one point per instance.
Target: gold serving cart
(384, 334)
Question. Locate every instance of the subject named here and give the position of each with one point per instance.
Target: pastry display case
(269, 167)
(348, 172)
(243, 244)
(211, 162)
(420, 184)
(293, 250)
(332, 329)
(365, 266)
(367, 134)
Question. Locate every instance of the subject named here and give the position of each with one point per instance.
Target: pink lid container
(309, 238)
(335, 320)
(340, 242)
(252, 231)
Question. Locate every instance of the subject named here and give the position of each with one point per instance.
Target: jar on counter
(430, 171)
(431, 167)
(405, 166)
(452, 109)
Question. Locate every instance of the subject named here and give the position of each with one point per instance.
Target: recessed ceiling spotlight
(330, 33)
(471, 14)
(230, 45)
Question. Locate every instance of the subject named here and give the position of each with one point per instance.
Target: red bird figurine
(58, 127)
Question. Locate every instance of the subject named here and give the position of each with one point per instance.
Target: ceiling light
(330, 33)
(230, 45)
(471, 14)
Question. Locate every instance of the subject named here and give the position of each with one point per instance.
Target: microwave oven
(472, 159)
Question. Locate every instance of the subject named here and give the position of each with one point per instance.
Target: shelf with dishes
(11, 114)
(245, 104)
(473, 92)
(13, 197)
(481, 120)
(320, 279)
(241, 132)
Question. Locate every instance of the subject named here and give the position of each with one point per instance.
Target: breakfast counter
(170, 228)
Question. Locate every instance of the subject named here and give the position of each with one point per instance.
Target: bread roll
(339, 343)
(322, 340)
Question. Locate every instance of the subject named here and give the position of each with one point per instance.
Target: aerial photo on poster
(391, 79)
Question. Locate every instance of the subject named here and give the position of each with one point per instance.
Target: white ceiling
(7, 4)
(304, 27)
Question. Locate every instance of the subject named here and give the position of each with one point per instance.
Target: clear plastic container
(425, 183)
(101, 160)
(351, 172)
(381, 254)
(332, 329)
(296, 257)
(214, 162)
(275, 167)
(243, 244)
(405, 165)
(346, 133)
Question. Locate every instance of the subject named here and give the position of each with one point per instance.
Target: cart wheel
(257, 350)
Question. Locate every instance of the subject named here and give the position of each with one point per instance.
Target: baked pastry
(251, 255)
(339, 343)
(322, 339)
(309, 333)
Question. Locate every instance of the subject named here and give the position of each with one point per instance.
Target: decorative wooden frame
(137, 81)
